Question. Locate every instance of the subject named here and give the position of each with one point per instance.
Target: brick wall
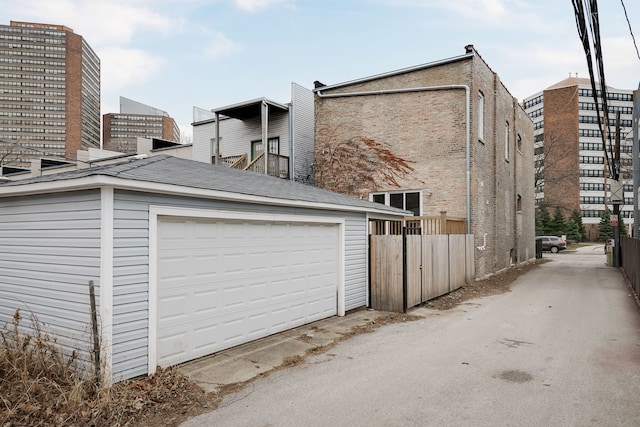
(561, 173)
(168, 129)
(427, 130)
(73, 100)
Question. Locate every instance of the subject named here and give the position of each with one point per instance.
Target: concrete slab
(247, 361)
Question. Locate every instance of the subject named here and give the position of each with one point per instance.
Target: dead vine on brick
(358, 165)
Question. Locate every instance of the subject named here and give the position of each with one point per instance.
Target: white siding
(202, 136)
(131, 252)
(355, 269)
(236, 136)
(49, 251)
(130, 287)
(303, 128)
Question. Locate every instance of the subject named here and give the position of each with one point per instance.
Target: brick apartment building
(444, 136)
(120, 131)
(49, 94)
(571, 170)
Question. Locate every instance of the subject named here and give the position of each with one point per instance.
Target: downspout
(514, 138)
(426, 89)
(291, 144)
(217, 139)
(265, 138)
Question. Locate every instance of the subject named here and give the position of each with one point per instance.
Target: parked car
(552, 243)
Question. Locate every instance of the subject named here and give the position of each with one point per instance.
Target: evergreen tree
(572, 230)
(577, 218)
(545, 223)
(605, 231)
(557, 225)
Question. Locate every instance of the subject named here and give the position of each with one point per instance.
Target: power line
(630, 30)
(586, 14)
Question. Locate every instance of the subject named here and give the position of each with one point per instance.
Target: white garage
(223, 281)
(187, 258)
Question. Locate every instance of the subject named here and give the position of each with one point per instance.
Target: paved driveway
(561, 349)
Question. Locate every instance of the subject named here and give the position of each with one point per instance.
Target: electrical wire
(630, 30)
(593, 50)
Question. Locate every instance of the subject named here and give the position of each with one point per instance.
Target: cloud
(219, 45)
(494, 10)
(255, 5)
(121, 67)
(536, 66)
(101, 22)
(621, 63)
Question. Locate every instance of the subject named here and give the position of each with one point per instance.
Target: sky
(177, 54)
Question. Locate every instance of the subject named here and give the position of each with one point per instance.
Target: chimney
(469, 48)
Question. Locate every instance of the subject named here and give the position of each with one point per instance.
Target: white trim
(387, 197)
(152, 353)
(396, 72)
(106, 281)
(95, 181)
(156, 211)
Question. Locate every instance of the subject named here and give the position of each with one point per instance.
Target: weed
(43, 386)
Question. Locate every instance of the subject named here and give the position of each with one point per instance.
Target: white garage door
(222, 282)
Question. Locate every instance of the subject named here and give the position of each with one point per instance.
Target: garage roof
(179, 176)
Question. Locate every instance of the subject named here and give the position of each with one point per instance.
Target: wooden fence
(441, 224)
(408, 270)
(630, 248)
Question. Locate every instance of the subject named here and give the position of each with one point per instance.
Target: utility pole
(616, 188)
(636, 164)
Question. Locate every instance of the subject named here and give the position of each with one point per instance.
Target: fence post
(443, 222)
(94, 324)
(404, 269)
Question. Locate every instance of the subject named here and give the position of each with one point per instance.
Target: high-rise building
(120, 131)
(572, 169)
(49, 93)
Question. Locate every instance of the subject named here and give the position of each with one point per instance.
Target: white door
(222, 282)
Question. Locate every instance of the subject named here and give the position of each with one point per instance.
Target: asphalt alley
(561, 349)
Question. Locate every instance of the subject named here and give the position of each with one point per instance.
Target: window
(519, 142)
(480, 116)
(519, 203)
(256, 147)
(506, 141)
(407, 200)
(535, 101)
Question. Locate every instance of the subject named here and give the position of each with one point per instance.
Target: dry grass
(41, 386)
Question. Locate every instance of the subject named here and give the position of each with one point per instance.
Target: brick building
(444, 136)
(120, 131)
(49, 94)
(571, 170)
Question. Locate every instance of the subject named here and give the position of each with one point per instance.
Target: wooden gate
(411, 269)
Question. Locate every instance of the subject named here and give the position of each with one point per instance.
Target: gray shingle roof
(191, 174)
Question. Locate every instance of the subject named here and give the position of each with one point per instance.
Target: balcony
(277, 165)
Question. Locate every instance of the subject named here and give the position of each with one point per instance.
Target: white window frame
(507, 131)
(481, 117)
(387, 197)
